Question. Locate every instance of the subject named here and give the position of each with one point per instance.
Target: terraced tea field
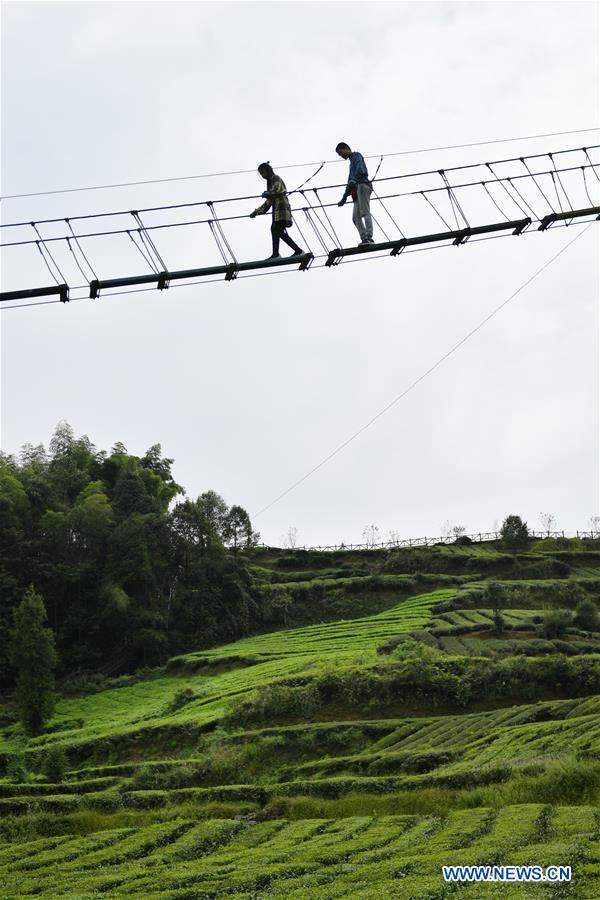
(348, 758)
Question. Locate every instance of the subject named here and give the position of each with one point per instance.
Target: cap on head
(342, 146)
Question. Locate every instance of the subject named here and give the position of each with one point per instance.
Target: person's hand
(342, 201)
(253, 214)
(265, 194)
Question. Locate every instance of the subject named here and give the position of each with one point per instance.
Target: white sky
(249, 385)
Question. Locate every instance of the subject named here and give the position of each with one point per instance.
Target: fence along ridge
(478, 537)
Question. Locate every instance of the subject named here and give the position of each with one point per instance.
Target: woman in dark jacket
(276, 199)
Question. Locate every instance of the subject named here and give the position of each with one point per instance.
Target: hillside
(399, 719)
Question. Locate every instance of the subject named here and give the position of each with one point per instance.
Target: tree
(514, 533)
(497, 596)
(237, 529)
(215, 512)
(452, 531)
(291, 537)
(371, 535)
(35, 658)
(62, 440)
(548, 522)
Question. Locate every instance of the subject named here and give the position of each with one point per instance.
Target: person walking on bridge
(277, 200)
(359, 188)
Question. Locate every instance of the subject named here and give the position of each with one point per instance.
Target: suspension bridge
(412, 212)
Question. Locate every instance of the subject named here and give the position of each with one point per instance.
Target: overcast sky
(248, 385)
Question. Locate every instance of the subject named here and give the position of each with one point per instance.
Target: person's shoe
(369, 241)
(297, 253)
(364, 241)
(274, 256)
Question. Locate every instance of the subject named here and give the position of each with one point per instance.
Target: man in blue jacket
(359, 188)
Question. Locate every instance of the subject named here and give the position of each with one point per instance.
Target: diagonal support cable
(147, 239)
(218, 225)
(498, 207)
(569, 204)
(593, 165)
(148, 259)
(585, 184)
(40, 243)
(537, 185)
(436, 211)
(91, 268)
(215, 234)
(327, 217)
(453, 199)
(500, 181)
(315, 229)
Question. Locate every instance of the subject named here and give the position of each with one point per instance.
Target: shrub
(104, 801)
(16, 769)
(392, 643)
(55, 764)
(556, 623)
(499, 622)
(181, 699)
(586, 616)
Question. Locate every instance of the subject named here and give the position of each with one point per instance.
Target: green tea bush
(427, 678)
(586, 615)
(16, 769)
(104, 801)
(55, 764)
(181, 699)
(556, 623)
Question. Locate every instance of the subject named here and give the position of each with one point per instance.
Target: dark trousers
(278, 233)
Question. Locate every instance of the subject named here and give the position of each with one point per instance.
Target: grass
(354, 798)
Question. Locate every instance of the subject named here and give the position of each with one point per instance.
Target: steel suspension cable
(100, 187)
(300, 186)
(359, 259)
(330, 205)
(422, 377)
(323, 187)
